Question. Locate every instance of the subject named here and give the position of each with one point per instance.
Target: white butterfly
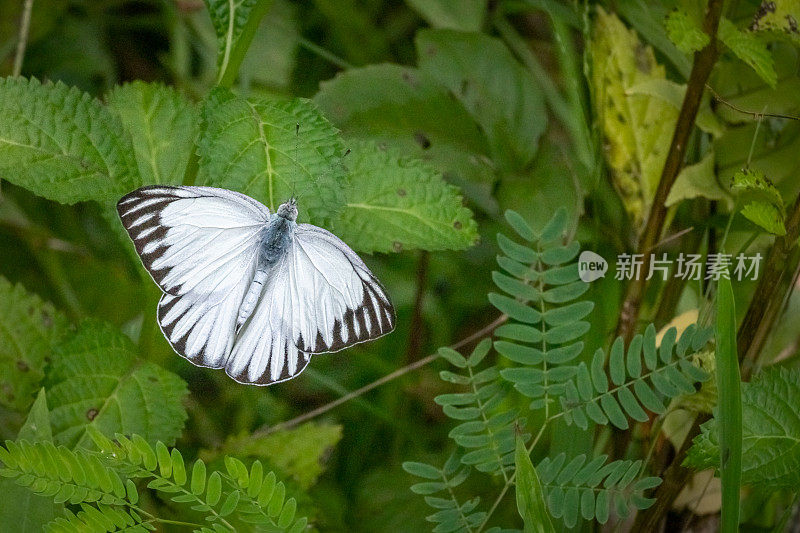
(254, 293)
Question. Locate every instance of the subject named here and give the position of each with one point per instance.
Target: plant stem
(704, 61)
(229, 70)
(266, 430)
(758, 321)
(324, 54)
(415, 330)
(22, 42)
(767, 300)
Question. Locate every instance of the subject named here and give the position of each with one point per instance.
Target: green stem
(324, 54)
(229, 70)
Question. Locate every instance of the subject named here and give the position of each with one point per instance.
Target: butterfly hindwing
(339, 300)
(320, 297)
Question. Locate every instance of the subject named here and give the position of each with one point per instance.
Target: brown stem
(675, 478)
(766, 303)
(759, 319)
(415, 330)
(486, 330)
(704, 61)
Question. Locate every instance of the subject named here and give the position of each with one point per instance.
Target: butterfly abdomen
(275, 243)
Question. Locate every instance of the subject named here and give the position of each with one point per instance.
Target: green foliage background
(441, 140)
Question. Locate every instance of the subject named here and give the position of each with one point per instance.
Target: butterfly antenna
(296, 162)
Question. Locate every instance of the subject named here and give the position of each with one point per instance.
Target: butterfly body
(253, 293)
(277, 237)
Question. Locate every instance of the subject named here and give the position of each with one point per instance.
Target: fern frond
(487, 433)
(100, 519)
(254, 497)
(542, 284)
(62, 474)
(451, 515)
(589, 489)
(669, 372)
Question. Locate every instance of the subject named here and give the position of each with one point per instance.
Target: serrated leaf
(751, 49)
(496, 90)
(254, 147)
(31, 328)
(685, 31)
(770, 432)
(398, 203)
(162, 124)
(299, 452)
(62, 144)
(96, 380)
(408, 110)
(637, 127)
(761, 201)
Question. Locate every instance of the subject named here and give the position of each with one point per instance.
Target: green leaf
(29, 330)
(698, 180)
(399, 203)
(37, 427)
(274, 44)
(235, 23)
(29, 512)
(499, 93)
(464, 15)
(762, 203)
(214, 488)
(62, 144)
(770, 432)
(299, 452)
(729, 406)
(637, 127)
(254, 147)
(751, 49)
(408, 110)
(163, 125)
(673, 94)
(530, 497)
(685, 31)
(96, 380)
(422, 470)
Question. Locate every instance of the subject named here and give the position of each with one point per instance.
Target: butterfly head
(288, 210)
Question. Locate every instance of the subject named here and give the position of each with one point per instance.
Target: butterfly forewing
(194, 239)
(200, 245)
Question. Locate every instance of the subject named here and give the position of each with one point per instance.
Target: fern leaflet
(670, 370)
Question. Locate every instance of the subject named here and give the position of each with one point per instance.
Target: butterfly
(246, 290)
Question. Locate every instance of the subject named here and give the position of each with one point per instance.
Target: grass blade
(729, 406)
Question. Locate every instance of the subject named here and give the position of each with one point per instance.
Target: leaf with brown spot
(29, 329)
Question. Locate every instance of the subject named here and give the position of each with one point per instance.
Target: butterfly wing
(200, 245)
(320, 297)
